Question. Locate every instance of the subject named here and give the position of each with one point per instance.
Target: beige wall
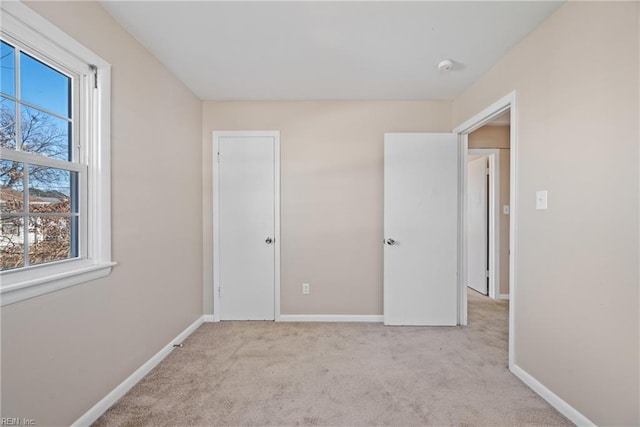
(498, 137)
(331, 193)
(490, 137)
(63, 352)
(577, 325)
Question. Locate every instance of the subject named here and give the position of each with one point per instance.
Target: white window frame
(22, 25)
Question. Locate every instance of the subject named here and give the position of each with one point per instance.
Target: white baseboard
(208, 318)
(554, 400)
(503, 296)
(330, 318)
(101, 407)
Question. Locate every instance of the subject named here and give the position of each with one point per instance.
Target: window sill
(36, 286)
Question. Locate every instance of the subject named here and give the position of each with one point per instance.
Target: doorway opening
(488, 210)
(481, 220)
(487, 239)
(478, 212)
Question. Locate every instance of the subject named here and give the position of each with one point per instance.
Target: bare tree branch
(48, 237)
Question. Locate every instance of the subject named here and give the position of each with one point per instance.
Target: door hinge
(218, 157)
(487, 171)
(94, 70)
(487, 274)
(220, 291)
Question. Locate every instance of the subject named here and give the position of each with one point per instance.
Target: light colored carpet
(338, 374)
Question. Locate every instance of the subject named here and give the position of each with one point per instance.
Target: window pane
(11, 243)
(7, 123)
(50, 190)
(45, 134)
(43, 86)
(49, 239)
(8, 70)
(11, 191)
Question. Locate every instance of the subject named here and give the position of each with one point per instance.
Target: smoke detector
(445, 65)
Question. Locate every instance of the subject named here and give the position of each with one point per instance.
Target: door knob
(269, 240)
(391, 242)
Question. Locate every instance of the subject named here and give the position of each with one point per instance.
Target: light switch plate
(541, 199)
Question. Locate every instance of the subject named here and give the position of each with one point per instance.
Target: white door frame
(508, 102)
(493, 201)
(216, 217)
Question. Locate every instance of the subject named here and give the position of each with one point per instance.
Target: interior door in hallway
(246, 226)
(420, 228)
(477, 225)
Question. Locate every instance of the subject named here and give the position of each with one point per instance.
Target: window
(54, 158)
(37, 126)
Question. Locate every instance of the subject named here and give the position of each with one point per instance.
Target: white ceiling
(328, 50)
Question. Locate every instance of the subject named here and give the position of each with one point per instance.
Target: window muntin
(38, 125)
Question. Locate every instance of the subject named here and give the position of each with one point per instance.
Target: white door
(420, 228)
(477, 224)
(246, 224)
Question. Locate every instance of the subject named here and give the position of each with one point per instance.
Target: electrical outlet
(305, 289)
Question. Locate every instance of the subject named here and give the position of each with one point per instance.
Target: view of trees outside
(42, 222)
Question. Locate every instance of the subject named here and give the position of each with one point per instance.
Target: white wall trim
(486, 115)
(463, 147)
(216, 227)
(554, 400)
(208, 318)
(331, 318)
(276, 186)
(503, 296)
(101, 407)
(53, 282)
